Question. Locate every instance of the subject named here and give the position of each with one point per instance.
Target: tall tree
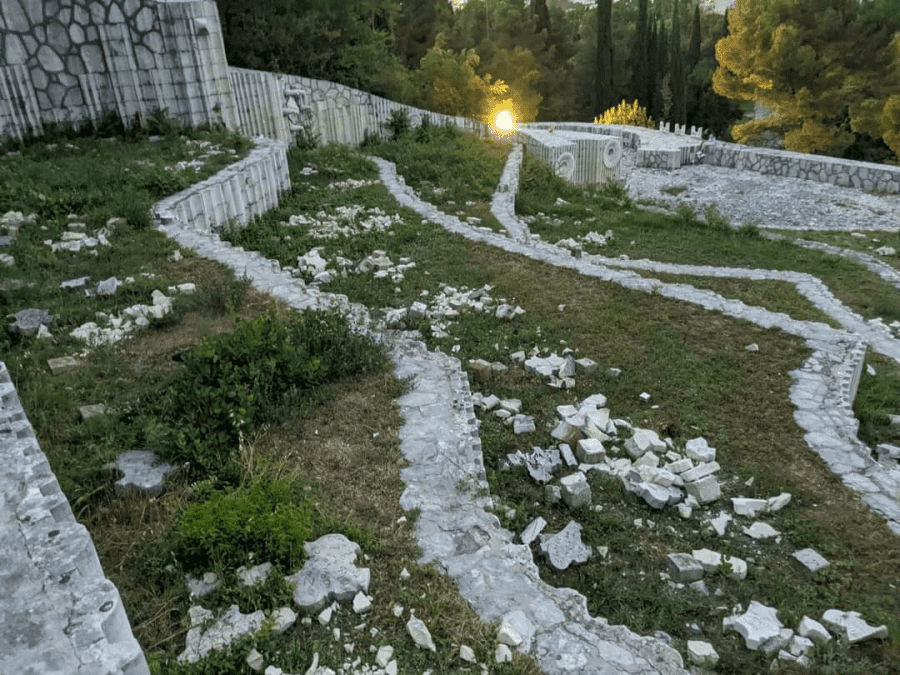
(829, 69)
(416, 27)
(604, 94)
(639, 61)
(541, 16)
(676, 70)
(696, 41)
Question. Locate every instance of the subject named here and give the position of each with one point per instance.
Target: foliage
(265, 519)
(632, 115)
(450, 84)
(399, 123)
(826, 68)
(231, 380)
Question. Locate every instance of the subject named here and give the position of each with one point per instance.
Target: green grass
(681, 238)
(341, 451)
(705, 383)
(865, 244)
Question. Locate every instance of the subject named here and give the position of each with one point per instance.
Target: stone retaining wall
(280, 106)
(233, 196)
(60, 614)
(842, 172)
(80, 60)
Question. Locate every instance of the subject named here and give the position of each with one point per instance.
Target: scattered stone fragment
(502, 654)
(199, 587)
(745, 506)
(760, 530)
(705, 490)
(590, 451)
(642, 441)
(329, 573)
(516, 630)
(467, 654)
(683, 567)
(701, 653)
(753, 347)
(851, 627)
(699, 451)
(282, 619)
(711, 561)
(420, 634)
(75, 284)
(542, 463)
(143, 473)
(720, 523)
(778, 502)
(88, 411)
(531, 532)
(566, 433)
(657, 496)
(361, 603)
(108, 286)
(813, 629)
(228, 628)
(565, 547)
(523, 424)
(255, 660)
(384, 656)
(29, 320)
(811, 559)
(575, 491)
(255, 575)
(759, 625)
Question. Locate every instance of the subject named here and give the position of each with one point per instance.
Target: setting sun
(504, 121)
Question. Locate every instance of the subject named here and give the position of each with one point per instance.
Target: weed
(673, 190)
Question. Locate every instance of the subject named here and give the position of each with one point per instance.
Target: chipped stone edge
(62, 549)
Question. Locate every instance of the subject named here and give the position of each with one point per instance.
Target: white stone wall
(277, 105)
(78, 60)
(233, 196)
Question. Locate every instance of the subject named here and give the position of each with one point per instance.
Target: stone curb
(60, 612)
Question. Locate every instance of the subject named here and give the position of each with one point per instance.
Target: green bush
(232, 380)
(266, 519)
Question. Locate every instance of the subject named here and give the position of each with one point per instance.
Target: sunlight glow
(504, 121)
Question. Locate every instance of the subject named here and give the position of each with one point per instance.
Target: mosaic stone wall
(71, 61)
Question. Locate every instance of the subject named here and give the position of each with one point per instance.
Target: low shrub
(266, 519)
(232, 380)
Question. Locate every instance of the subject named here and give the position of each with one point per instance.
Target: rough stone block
(699, 451)
(701, 653)
(565, 548)
(143, 473)
(590, 451)
(705, 490)
(813, 629)
(852, 627)
(810, 559)
(759, 625)
(683, 567)
(329, 573)
(575, 490)
(745, 506)
(700, 471)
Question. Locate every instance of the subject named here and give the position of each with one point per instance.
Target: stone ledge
(60, 614)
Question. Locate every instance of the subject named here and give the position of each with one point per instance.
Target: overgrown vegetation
(316, 450)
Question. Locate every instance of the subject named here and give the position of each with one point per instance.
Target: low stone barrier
(233, 196)
(579, 157)
(59, 614)
(841, 172)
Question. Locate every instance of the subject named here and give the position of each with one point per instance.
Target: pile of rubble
(346, 221)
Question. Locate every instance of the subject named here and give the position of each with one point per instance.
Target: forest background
(828, 69)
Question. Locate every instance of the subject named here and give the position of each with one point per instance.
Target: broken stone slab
(711, 561)
(330, 573)
(420, 634)
(851, 627)
(565, 547)
(29, 320)
(523, 424)
(75, 284)
(683, 568)
(746, 506)
(720, 523)
(657, 496)
(813, 629)
(778, 502)
(143, 473)
(702, 654)
(699, 450)
(590, 451)
(642, 441)
(810, 559)
(568, 456)
(228, 628)
(566, 433)
(759, 625)
(700, 471)
(199, 587)
(255, 575)
(88, 411)
(108, 286)
(705, 490)
(532, 530)
(760, 530)
(542, 463)
(575, 491)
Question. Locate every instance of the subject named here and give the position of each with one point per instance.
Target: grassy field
(335, 441)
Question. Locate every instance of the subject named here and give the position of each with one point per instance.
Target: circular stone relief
(565, 166)
(612, 153)
(415, 120)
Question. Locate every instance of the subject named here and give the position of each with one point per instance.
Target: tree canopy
(828, 69)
